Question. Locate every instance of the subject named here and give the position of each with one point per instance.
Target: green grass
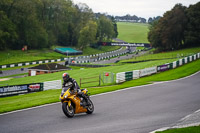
(195, 129)
(130, 32)
(84, 73)
(165, 55)
(18, 56)
(133, 32)
(103, 49)
(35, 99)
(164, 76)
(92, 72)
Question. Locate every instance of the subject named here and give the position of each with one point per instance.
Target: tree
(87, 35)
(168, 33)
(154, 35)
(192, 32)
(7, 32)
(114, 26)
(151, 20)
(105, 31)
(43, 23)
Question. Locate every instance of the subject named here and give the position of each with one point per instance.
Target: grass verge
(165, 55)
(195, 129)
(84, 73)
(51, 96)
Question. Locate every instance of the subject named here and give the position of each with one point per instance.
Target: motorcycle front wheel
(90, 108)
(68, 111)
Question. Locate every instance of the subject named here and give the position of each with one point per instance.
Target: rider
(71, 83)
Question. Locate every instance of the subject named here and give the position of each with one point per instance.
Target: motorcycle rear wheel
(68, 111)
(90, 108)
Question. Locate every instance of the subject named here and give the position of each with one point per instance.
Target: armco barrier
(124, 76)
(164, 67)
(128, 75)
(148, 71)
(136, 74)
(120, 77)
(56, 84)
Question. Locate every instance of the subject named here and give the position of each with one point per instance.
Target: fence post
(99, 79)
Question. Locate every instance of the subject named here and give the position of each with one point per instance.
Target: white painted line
(197, 111)
(187, 125)
(161, 129)
(101, 94)
(180, 126)
(184, 118)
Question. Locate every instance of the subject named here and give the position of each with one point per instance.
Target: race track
(134, 110)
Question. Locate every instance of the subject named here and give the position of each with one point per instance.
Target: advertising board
(148, 71)
(12, 90)
(120, 77)
(20, 89)
(162, 67)
(136, 74)
(34, 87)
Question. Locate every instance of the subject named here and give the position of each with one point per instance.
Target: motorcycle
(71, 102)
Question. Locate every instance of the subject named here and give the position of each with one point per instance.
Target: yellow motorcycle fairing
(71, 98)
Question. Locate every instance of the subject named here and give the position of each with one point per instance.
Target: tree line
(43, 23)
(178, 28)
(129, 18)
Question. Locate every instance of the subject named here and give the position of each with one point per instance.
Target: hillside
(133, 32)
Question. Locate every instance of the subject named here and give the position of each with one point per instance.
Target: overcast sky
(140, 8)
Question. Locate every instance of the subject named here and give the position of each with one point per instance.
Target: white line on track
(101, 94)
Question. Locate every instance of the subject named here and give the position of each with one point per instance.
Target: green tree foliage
(176, 29)
(87, 35)
(114, 26)
(154, 35)
(192, 33)
(43, 23)
(105, 31)
(7, 32)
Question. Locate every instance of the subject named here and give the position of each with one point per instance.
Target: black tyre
(68, 111)
(90, 108)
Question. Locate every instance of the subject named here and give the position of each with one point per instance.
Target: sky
(140, 8)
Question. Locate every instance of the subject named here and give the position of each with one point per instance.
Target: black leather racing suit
(71, 83)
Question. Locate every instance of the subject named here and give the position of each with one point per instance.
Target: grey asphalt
(116, 59)
(125, 57)
(134, 110)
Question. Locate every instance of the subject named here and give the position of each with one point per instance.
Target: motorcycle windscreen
(64, 89)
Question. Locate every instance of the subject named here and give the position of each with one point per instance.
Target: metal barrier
(125, 76)
(56, 84)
